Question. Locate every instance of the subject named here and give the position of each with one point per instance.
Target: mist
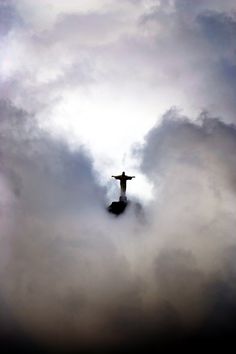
(90, 89)
(74, 276)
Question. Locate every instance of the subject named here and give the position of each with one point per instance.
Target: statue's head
(123, 173)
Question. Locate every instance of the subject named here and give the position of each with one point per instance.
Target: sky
(90, 89)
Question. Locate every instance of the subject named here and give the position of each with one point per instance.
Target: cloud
(62, 250)
(194, 165)
(8, 17)
(74, 276)
(137, 59)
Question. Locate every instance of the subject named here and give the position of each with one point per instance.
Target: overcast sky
(90, 88)
(102, 73)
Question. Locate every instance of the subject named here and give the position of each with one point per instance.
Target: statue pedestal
(119, 207)
(123, 199)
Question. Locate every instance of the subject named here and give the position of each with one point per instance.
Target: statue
(123, 178)
(118, 207)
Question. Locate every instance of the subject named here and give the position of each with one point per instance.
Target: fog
(73, 275)
(90, 89)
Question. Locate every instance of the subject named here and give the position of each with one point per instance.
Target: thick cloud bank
(117, 65)
(81, 83)
(74, 276)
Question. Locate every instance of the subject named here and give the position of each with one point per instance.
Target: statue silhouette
(123, 178)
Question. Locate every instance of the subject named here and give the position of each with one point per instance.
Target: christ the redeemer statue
(123, 178)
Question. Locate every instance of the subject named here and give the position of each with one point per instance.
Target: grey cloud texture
(74, 276)
(181, 52)
(71, 274)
